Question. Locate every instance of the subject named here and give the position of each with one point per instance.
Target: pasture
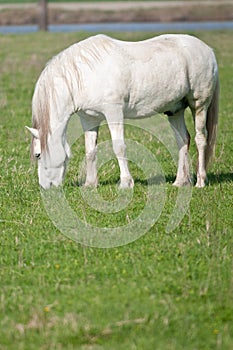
(165, 291)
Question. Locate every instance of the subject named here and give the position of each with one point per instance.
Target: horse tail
(211, 124)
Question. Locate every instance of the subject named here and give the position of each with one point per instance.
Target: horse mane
(41, 113)
(66, 66)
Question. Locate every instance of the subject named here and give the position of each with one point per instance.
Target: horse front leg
(177, 122)
(91, 158)
(201, 142)
(119, 148)
(91, 128)
(116, 127)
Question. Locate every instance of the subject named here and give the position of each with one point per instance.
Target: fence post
(43, 15)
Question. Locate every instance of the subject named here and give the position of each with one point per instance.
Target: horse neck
(58, 124)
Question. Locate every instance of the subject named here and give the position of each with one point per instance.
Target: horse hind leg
(178, 125)
(201, 143)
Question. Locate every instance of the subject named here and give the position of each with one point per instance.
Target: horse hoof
(91, 184)
(126, 183)
(187, 182)
(200, 184)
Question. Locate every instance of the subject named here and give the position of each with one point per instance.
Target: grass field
(165, 291)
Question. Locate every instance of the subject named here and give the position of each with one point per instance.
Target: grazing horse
(104, 78)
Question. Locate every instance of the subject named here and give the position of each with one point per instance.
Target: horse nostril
(37, 155)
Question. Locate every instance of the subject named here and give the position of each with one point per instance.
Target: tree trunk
(43, 15)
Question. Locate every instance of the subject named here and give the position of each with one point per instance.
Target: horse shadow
(155, 180)
(213, 178)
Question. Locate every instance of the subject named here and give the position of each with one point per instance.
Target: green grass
(164, 291)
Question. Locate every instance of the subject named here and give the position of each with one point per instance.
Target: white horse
(104, 78)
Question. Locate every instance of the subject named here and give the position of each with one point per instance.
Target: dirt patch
(172, 13)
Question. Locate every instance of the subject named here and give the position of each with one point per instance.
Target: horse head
(52, 162)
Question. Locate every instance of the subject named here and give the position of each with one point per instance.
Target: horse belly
(146, 109)
(157, 90)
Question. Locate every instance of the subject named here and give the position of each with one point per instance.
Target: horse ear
(67, 150)
(33, 131)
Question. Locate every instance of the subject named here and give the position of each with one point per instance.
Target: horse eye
(37, 155)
